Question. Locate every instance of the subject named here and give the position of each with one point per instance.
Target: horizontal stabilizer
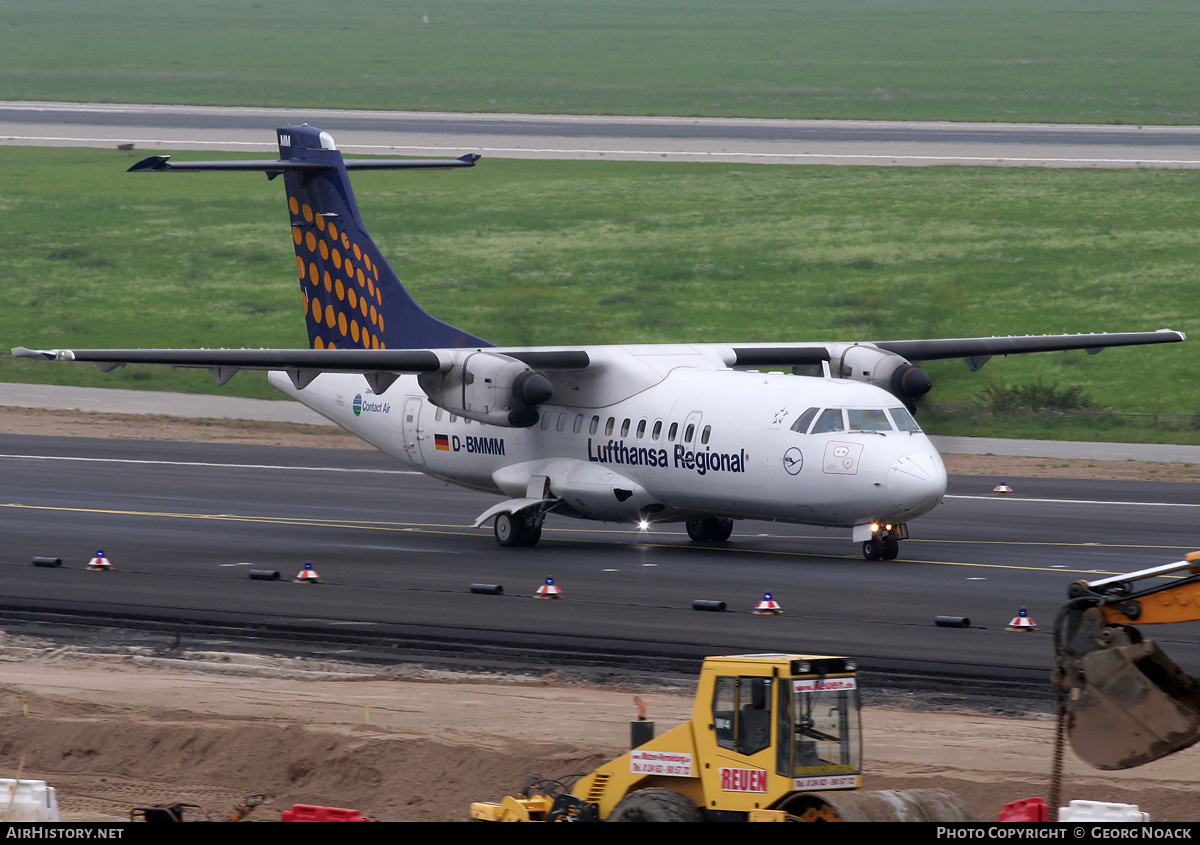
(163, 164)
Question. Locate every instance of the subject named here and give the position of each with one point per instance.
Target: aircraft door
(412, 430)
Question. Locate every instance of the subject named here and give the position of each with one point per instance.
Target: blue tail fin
(352, 298)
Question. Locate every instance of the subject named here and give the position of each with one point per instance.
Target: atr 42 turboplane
(695, 433)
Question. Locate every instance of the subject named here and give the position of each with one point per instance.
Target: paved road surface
(152, 128)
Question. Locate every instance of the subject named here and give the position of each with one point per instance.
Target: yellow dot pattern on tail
(340, 282)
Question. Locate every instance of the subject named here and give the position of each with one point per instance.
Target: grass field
(1087, 61)
(524, 252)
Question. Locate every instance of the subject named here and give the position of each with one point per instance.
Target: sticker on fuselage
(367, 406)
(469, 444)
(841, 458)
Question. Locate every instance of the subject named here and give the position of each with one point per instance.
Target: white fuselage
(684, 441)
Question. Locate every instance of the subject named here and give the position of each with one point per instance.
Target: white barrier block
(1099, 811)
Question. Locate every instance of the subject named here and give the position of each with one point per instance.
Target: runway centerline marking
(210, 464)
(1010, 499)
(999, 158)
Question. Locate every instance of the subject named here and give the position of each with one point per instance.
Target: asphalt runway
(184, 524)
(151, 128)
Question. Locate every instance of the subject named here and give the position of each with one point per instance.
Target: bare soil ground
(114, 732)
(111, 732)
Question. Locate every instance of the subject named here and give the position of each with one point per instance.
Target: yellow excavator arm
(1127, 703)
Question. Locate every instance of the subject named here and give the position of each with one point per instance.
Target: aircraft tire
(532, 535)
(698, 530)
(891, 548)
(722, 529)
(709, 529)
(872, 549)
(509, 530)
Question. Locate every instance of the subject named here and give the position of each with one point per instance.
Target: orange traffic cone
(1022, 622)
(100, 563)
(549, 590)
(308, 575)
(768, 606)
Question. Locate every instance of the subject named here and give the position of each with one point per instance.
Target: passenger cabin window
(641, 430)
(625, 428)
(800, 426)
(546, 421)
(869, 419)
(609, 426)
(830, 420)
(578, 423)
(687, 435)
(657, 432)
(903, 419)
(672, 432)
(562, 422)
(595, 424)
(704, 434)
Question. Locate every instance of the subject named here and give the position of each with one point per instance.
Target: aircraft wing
(379, 366)
(978, 350)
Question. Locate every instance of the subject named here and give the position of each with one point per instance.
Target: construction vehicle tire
(654, 804)
(884, 805)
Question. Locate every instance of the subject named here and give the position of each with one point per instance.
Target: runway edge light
(100, 563)
(308, 575)
(549, 590)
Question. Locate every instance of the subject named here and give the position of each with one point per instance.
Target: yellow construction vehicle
(773, 737)
(1123, 702)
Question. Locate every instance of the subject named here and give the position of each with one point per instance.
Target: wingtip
(151, 163)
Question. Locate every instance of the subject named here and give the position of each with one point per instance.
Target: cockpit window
(830, 420)
(868, 419)
(800, 426)
(903, 419)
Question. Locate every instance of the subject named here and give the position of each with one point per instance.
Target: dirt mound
(111, 732)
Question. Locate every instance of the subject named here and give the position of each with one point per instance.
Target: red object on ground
(312, 813)
(1026, 811)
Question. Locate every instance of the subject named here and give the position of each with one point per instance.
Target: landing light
(644, 525)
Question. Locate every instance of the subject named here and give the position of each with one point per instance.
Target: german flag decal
(442, 442)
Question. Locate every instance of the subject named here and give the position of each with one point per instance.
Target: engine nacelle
(490, 388)
(892, 372)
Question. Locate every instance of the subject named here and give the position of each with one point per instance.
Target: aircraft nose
(917, 482)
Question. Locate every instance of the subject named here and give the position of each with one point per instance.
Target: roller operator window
(741, 712)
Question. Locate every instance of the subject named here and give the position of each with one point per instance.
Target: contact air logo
(743, 780)
(369, 407)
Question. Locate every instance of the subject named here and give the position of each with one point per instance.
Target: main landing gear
(519, 529)
(709, 529)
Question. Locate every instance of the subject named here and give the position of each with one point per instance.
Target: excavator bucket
(1134, 705)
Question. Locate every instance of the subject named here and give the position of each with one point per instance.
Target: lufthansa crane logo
(793, 461)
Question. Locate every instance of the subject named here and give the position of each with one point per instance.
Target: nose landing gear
(885, 542)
